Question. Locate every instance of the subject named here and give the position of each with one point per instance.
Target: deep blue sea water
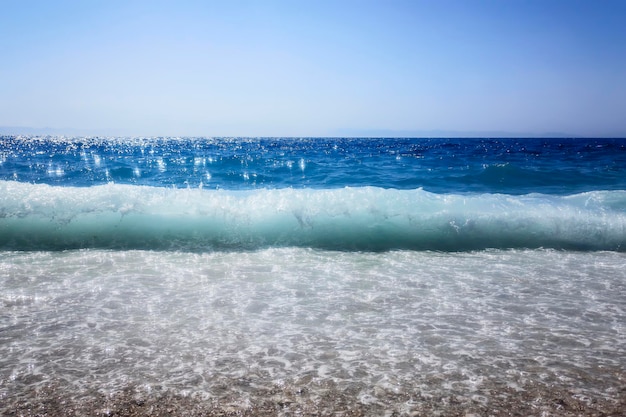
(443, 166)
(406, 276)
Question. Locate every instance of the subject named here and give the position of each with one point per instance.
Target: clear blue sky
(314, 68)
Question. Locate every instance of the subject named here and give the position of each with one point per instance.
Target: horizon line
(336, 133)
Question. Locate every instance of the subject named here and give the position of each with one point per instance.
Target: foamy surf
(43, 217)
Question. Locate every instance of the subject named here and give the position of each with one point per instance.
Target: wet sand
(240, 398)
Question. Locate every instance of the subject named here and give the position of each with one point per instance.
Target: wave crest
(43, 217)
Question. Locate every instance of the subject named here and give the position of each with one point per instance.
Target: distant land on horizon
(345, 132)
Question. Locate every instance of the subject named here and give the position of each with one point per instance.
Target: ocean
(312, 276)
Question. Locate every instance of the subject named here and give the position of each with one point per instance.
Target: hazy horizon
(340, 133)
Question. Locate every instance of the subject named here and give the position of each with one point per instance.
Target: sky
(314, 68)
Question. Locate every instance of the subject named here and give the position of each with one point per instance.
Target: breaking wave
(115, 216)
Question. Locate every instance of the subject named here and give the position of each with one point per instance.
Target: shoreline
(323, 398)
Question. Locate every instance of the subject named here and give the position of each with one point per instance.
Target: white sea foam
(367, 218)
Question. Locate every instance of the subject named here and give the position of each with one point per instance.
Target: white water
(391, 322)
(41, 217)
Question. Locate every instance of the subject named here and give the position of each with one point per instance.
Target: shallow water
(370, 324)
